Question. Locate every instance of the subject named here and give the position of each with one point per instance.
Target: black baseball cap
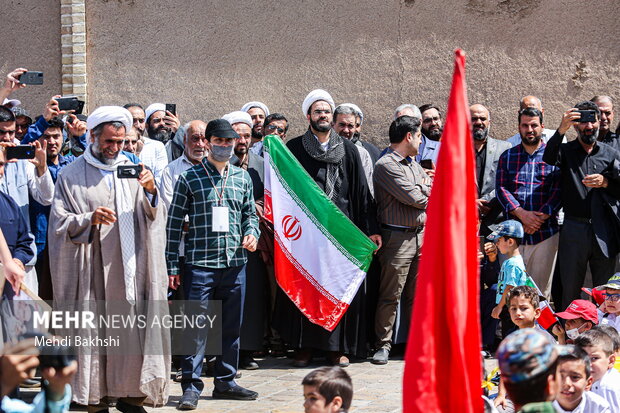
(220, 128)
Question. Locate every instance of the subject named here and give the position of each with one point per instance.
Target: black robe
(355, 201)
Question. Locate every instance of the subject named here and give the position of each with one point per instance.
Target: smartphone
(587, 116)
(427, 164)
(20, 152)
(172, 108)
(69, 103)
(80, 107)
(128, 171)
(31, 78)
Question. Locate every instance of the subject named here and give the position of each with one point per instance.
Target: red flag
(443, 367)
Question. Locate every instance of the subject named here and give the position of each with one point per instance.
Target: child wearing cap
(606, 379)
(580, 316)
(527, 361)
(611, 313)
(507, 236)
(575, 378)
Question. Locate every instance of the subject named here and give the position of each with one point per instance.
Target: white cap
(315, 96)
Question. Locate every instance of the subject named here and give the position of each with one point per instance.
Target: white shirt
(590, 403)
(154, 156)
(169, 178)
(608, 387)
(547, 134)
(609, 319)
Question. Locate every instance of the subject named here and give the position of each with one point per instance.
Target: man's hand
(570, 118)
(51, 109)
(16, 363)
(531, 220)
(430, 172)
(3, 146)
(483, 206)
(103, 215)
(11, 83)
(249, 243)
(595, 181)
(147, 180)
(172, 121)
(497, 310)
(376, 238)
(58, 379)
(40, 157)
(490, 249)
(174, 281)
(75, 126)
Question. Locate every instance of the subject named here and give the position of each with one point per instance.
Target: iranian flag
(547, 317)
(320, 256)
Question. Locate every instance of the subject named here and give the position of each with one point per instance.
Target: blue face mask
(222, 153)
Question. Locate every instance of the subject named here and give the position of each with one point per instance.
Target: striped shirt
(524, 180)
(402, 189)
(194, 196)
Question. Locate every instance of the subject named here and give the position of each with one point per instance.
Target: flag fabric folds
(320, 256)
(547, 317)
(443, 367)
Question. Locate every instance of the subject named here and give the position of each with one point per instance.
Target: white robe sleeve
(41, 188)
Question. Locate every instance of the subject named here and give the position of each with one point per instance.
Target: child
(507, 236)
(524, 309)
(600, 348)
(527, 360)
(612, 302)
(574, 373)
(327, 390)
(615, 337)
(580, 316)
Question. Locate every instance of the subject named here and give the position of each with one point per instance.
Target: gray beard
(481, 135)
(95, 150)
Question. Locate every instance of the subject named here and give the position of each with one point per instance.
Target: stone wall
(211, 57)
(31, 38)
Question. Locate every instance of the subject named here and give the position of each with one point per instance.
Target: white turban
(251, 105)
(154, 107)
(355, 109)
(238, 117)
(11, 103)
(314, 96)
(109, 114)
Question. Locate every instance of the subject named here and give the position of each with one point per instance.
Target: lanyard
(220, 196)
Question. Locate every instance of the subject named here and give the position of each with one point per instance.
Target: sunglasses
(275, 128)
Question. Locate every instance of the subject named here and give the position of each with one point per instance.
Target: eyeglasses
(275, 128)
(612, 297)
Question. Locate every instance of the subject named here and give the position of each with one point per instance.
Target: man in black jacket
(590, 187)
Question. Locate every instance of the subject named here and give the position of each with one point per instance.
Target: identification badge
(220, 219)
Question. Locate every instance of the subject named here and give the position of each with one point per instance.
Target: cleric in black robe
(336, 167)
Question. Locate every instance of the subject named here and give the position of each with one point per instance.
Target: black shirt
(575, 163)
(611, 139)
(481, 160)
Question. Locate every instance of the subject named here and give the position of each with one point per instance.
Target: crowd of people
(191, 225)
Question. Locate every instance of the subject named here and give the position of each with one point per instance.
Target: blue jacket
(15, 229)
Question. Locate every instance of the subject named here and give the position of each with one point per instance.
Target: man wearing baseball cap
(580, 316)
(217, 198)
(527, 361)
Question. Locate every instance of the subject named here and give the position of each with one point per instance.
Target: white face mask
(573, 333)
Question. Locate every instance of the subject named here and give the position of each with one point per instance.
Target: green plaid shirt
(195, 196)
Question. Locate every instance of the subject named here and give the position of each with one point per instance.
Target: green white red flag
(320, 256)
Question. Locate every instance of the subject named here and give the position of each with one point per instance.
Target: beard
(531, 140)
(434, 134)
(320, 128)
(257, 135)
(588, 139)
(162, 134)
(481, 134)
(241, 149)
(96, 151)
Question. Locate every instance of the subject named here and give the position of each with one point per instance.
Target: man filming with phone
(107, 229)
(590, 188)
